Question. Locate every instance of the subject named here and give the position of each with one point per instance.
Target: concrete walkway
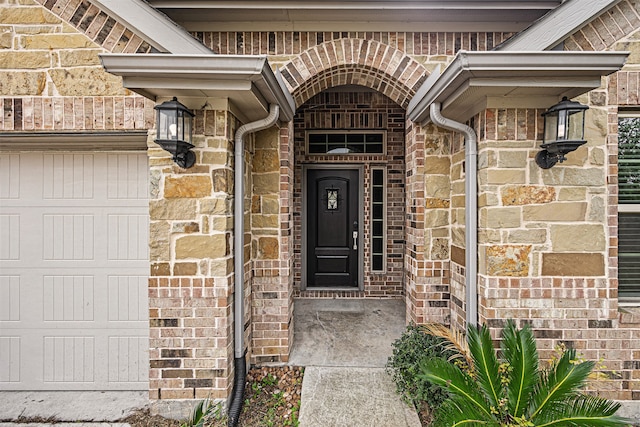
(344, 345)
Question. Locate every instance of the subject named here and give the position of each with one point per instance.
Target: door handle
(355, 240)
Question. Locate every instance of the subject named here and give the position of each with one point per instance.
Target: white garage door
(73, 271)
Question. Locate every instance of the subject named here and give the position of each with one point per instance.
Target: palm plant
(513, 390)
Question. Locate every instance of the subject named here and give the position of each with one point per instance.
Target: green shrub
(404, 366)
(511, 389)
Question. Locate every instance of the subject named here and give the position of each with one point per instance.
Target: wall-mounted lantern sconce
(563, 132)
(174, 123)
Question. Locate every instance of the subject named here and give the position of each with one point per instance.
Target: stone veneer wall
(50, 73)
(191, 285)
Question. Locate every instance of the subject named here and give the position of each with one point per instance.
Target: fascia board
(578, 71)
(152, 26)
(146, 74)
(557, 25)
(70, 141)
(384, 5)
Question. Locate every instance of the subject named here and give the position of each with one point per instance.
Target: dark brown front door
(332, 224)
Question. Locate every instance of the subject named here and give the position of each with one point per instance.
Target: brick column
(191, 283)
(427, 227)
(272, 246)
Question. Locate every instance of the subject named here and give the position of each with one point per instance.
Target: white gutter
(238, 213)
(152, 26)
(240, 363)
(557, 25)
(471, 208)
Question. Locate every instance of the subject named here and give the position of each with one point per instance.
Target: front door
(333, 242)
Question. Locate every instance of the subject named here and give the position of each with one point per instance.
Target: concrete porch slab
(346, 332)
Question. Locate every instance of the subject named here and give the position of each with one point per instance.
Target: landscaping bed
(271, 398)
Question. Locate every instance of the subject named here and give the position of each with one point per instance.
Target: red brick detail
(100, 27)
(284, 43)
(624, 88)
(354, 61)
(607, 29)
(76, 113)
(359, 110)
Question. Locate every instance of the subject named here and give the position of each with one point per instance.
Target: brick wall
(364, 111)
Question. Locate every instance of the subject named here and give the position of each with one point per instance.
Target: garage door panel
(10, 176)
(127, 361)
(68, 359)
(68, 237)
(68, 176)
(68, 298)
(9, 298)
(10, 359)
(128, 298)
(128, 177)
(9, 237)
(128, 236)
(74, 271)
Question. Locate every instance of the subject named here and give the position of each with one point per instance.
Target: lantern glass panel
(184, 126)
(575, 130)
(167, 126)
(550, 127)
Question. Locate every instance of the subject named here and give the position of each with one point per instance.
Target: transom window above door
(346, 142)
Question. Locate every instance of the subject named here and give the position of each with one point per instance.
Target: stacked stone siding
(191, 285)
(51, 78)
(271, 228)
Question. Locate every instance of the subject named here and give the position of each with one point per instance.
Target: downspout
(471, 207)
(235, 406)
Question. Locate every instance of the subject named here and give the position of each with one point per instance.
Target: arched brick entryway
(354, 62)
(396, 75)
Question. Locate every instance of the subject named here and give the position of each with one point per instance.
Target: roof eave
(247, 81)
(477, 80)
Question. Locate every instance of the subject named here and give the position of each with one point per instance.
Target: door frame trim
(303, 261)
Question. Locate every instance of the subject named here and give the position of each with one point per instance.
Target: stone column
(191, 283)
(272, 246)
(428, 190)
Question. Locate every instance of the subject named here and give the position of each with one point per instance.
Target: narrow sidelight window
(378, 218)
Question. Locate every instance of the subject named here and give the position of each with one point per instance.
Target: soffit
(358, 15)
(478, 80)
(247, 82)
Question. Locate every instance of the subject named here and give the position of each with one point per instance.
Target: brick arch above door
(354, 62)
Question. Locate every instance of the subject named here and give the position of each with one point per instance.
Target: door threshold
(327, 292)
